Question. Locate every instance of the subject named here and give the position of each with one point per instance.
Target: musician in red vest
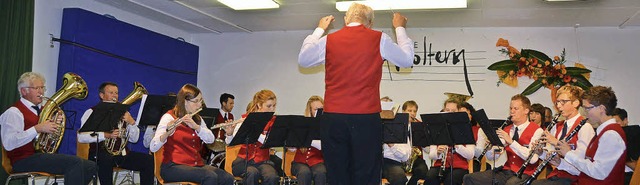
(537, 114)
(183, 142)
(517, 139)
(568, 100)
(308, 164)
(19, 126)
(253, 162)
(459, 160)
(353, 58)
(143, 162)
(603, 160)
(419, 167)
(227, 102)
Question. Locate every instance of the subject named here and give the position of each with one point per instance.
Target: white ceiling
(207, 16)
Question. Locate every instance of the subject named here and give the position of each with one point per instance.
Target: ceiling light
(250, 4)
(563, 0)
(404, 4)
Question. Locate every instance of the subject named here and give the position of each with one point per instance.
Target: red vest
(183, 147)
(616, 176)
(353, 67)
(30, 120)
(312, 157)
(219, 132)
(573, 141)
(475, 129)
(514, 162)
(255, 152)
(459, 162)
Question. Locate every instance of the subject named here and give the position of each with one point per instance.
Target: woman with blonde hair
(308, 163)
(182, 143)
(253, 162)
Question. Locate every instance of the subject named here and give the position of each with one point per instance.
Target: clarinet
(488, 146)
(536, 147)
(444, 164)
(548, 159)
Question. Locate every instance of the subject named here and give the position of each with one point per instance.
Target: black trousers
(252, 172)
(419, 171)
(205, 175)
(132, 161)
(305, 174)
(76, 171)
(499, 177)
(434, 179)
(394, 172)
(352, 148)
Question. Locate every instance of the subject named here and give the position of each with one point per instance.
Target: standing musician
(108, 92)
(253, 162)
(182, 142)
(567, 101)
(460, 160)
(308, 163)
(517, 139)
(599, 164)
(19, 126)
(353, 57)
(419, 167)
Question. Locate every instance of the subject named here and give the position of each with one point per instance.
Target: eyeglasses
(588, 108)
(196, 100)
(43, 88)
(562, 102)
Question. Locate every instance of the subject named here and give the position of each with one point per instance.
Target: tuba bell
(115, 146)
(73, 86)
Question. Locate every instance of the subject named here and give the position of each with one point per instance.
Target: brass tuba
(115, 146)
(73, 86)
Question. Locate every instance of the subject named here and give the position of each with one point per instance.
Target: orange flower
(564, 71)
(566, 79)
(546, 63)
(502, 42)
(513, 50)
(535, 62)
(556, 58)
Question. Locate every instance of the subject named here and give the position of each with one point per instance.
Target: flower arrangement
(547, 72)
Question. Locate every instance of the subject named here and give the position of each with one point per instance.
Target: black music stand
(395, 130)
(420, 135)
(250, 130)
(449, 129)
(489, 128)
(209, 115)
(289, 131)
(152, 107)
(103, 119)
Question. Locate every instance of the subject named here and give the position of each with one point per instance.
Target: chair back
(230, 155)
(157, 161)
(6, 163)
(286, 165)
(82, 150)
(635, 179)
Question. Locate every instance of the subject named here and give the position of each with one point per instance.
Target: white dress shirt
(464, 151)
(520, 150)
(205, 134)
(313, 49)
(399, 152)
(481, 143)
(610, 148)
(585, 135)
(85, 137)
(148, 135)
(12, 127)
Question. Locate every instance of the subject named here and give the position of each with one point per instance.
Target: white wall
(48, 20)
(243, 63)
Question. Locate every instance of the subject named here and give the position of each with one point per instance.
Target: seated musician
(603, 160)
(142, 162)
(633, 137)
(419, 167)
(516, 138)
(567, 101)
(537, 114)
(253, 162)
(308, 164)
(459, 160)
(19, 126)
(181, 131)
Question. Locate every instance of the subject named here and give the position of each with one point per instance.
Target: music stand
(449, 129)
(420, 135)
(209, 115)
(103, 119)
(250, 130)
(152, 107)
(489, 128)
(288, 131)
(395, 130)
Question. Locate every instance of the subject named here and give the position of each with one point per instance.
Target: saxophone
(536, 147)
(415, 153)
(115, 146)
(73, 86)
(550, 157)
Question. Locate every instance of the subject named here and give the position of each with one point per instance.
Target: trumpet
(548, 159)
(178, 121)
(536, 147)
(488, 146)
